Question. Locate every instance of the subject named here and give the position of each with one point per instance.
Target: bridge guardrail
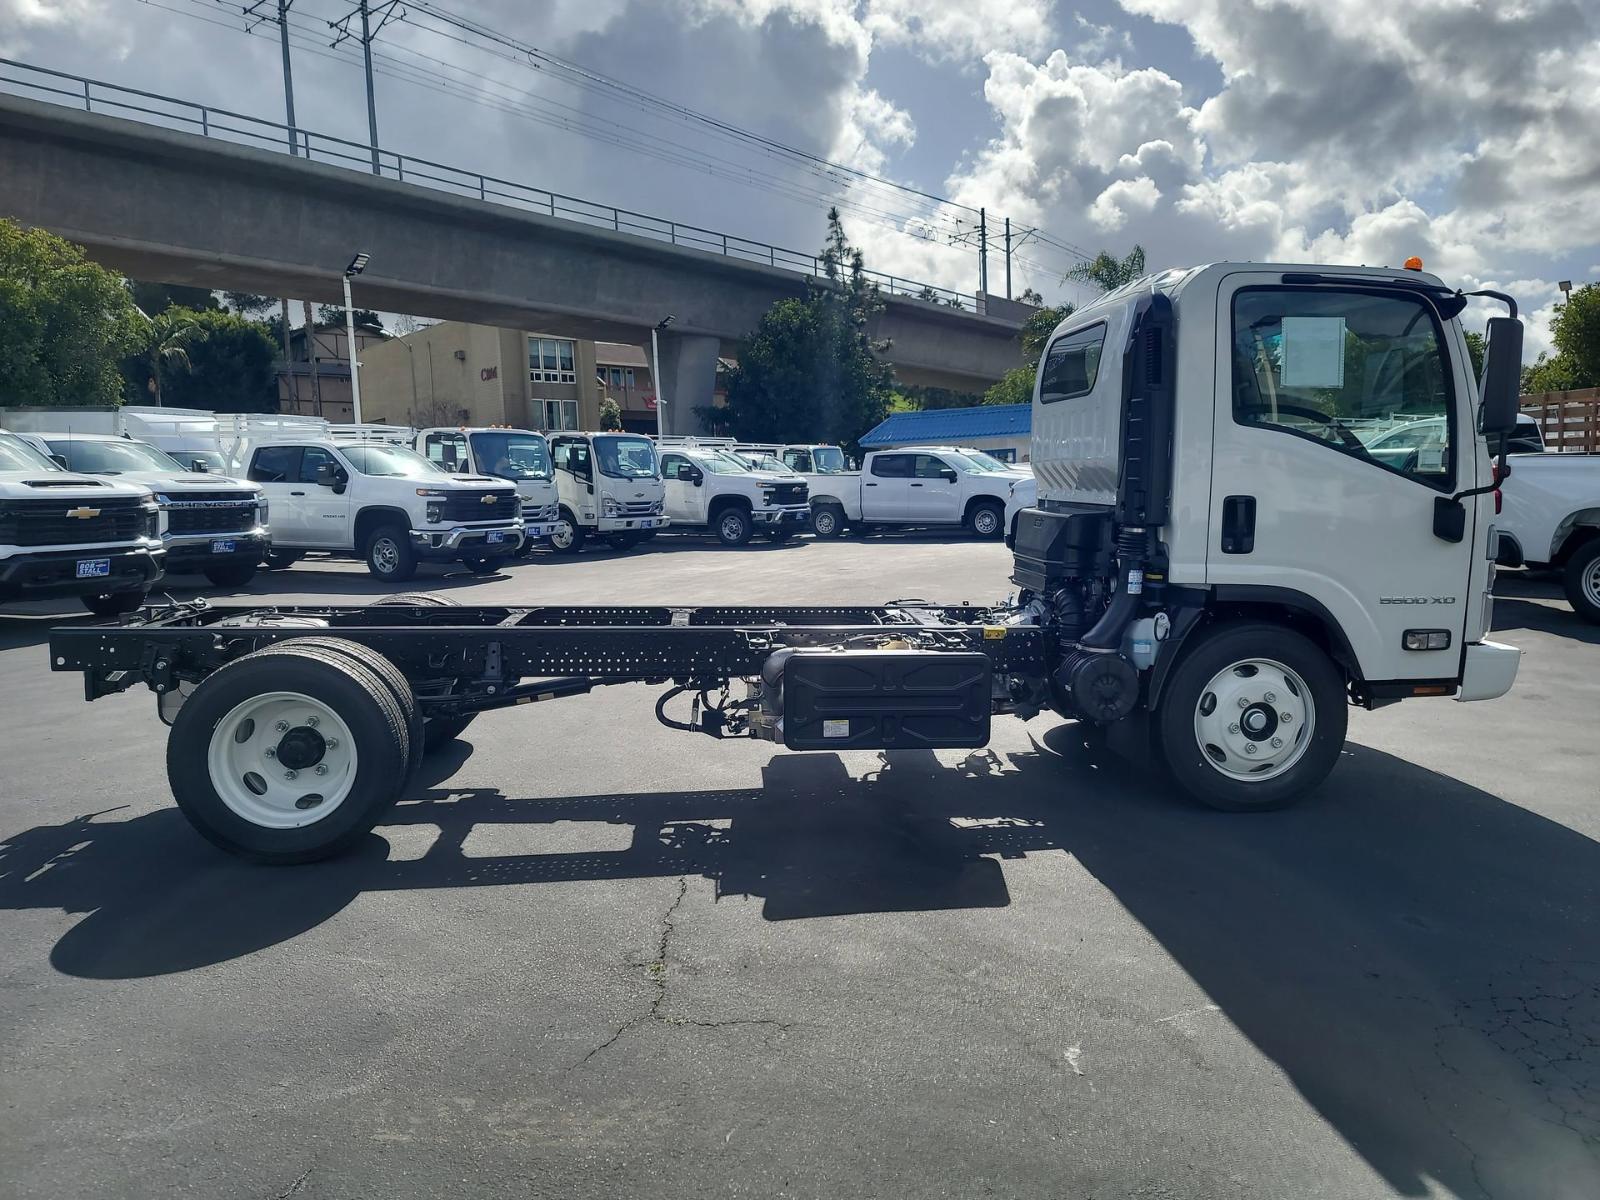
(95, 95)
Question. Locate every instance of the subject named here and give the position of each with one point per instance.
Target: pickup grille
(532, 512)
(471, 507)
(228, 513)
(790, 493)
(46, 523)
(640, 508)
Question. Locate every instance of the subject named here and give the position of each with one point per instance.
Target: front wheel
(1581, 580)
(1252, 718)
(114, 604)
(827, 520)
(567, 536)
(988, 520)
(389, 554)
(734, 527)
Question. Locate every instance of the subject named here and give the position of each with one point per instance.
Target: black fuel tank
(886, 699)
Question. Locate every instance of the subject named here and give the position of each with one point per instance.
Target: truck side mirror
(948, 474)
(1502, 376)
(199, 466)
(60, 460)
(330, 476)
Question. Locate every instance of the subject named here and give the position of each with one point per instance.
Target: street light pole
(655, 369)
(357, 265)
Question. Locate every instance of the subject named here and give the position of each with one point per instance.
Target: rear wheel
(567, 536)
(233, 574)
(389, 554)
(435, 731)
(391, 677)
(988, 520)
(827, 520)
(733, 526)
(1252, 718)
(114, 604)
(289, 754)
(1581, 580)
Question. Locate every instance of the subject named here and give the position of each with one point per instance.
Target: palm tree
(1108, 272)
(163, 341)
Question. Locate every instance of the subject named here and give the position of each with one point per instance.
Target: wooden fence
(1570, 420)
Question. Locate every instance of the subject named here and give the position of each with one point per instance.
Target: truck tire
(827, 521)
(392, 677)
(988, 520)
(244, 750)
(435, 731)
(1581, 579)
(482, 565)
(282, 560)
(231, 575)
(1253, 717)
(732, 525)
(115, 604)
(389, 554)
(568, 536)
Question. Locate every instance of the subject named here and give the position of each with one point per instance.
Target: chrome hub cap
(1591, 583)
(386, 556)
(984, 522)
(823, 522)
(732, 527)
(1254, 719)
(561, 535)
(282, 760)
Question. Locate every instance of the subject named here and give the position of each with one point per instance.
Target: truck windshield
(19, 456)
(110, 457)
(389, 461)
(828, 460)
(511, 455)
(723, 463)
(626, 457)
(985, 463)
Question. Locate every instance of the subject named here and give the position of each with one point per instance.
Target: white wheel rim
(385, 555)
(282, 760)
(732, 527)
(1254, 720)
(561, 535)
(984, 521)
(1591, 583)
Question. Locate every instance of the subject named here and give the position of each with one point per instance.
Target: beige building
(454, 373)
(316, 382)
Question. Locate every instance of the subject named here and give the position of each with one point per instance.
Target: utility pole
(983, 253)
(1008, 258)
(372, 103)
(311, 357)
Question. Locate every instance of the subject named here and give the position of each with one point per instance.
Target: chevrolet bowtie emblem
(83, 514)
(487, 500)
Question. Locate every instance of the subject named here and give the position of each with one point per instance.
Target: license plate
(93, 568)
(223, 546)
(495, 536)
(648, 524)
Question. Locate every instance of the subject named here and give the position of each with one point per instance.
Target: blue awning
(951, 426)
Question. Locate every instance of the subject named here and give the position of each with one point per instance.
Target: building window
(552, 360)
(560, 414)
(618, 377)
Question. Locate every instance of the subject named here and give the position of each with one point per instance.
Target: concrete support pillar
(689, 365)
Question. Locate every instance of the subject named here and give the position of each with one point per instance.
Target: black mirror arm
(1510, 304)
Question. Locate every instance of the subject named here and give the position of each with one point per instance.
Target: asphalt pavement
(593, 957)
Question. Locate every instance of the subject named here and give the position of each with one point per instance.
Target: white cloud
(960, 30)
(1111, 207)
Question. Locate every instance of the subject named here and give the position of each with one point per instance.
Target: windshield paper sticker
(1313, 352)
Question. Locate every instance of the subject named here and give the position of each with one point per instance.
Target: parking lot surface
(595, 957)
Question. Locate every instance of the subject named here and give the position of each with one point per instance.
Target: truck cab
(381, 502)
(610, 487)
(211, 525)
(709, 486)
(519, 456)
(66, 534)
(1211, 530)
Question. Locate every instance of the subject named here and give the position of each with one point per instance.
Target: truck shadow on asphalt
(1517, 596)
(1420, 958)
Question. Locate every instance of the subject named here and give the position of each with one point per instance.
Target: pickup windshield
(722, 463)
(110, 457)
(511, 455)
(626, 457)
(389, 462)
(19, 456)
(987, 464)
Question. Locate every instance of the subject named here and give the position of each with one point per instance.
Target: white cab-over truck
(1214, 560)
(610, 488)
(708, 486)
(379, 502)
(519, 456)
(211, 525)
(64, 534)
(928, 486)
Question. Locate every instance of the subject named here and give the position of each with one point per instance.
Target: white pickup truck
(610, 486)
(519, 456)
(914, 486)
(708, 486)
(211, 525)
(63, 534)
(380, 502)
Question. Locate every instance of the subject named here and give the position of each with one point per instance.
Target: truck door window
(1362, 372)
(893, 466)
(929, 467)
(275, 464)
(310, 459)
(1072, 364)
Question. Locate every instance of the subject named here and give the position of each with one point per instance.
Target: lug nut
(1270, 697)
(291, 774)
(1277, 743)
(1234, 728)
(312, 722)
(322, 768)
(270, 752)
(333, 743)
(1250, 748)
(1244, 701)
(1285, 717)
(282, 727)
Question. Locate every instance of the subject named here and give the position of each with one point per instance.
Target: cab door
(327, 509)
(685, 503)
(277, 470)
(933, 495)
(886, 487)
(1307, 373)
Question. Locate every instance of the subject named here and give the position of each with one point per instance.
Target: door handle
(916, 485)
(1238, 524)
(871, 485)
(297, 493)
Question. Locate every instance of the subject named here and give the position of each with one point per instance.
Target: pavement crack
(294, 1188)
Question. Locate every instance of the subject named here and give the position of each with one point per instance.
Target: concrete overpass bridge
(194, 208)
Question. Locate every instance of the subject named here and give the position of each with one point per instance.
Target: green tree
(233, 365)
(810, 370)
(248, 304)
(154, 299)
(1029, 296)
(610, 414)
(1475, 348)
(331, 316)
(1575, 332)
(64, 322)
(1016, 385)
(160, 350)
(1107, 272)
